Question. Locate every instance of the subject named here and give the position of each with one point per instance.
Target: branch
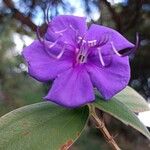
(22, 18)
(100, 124)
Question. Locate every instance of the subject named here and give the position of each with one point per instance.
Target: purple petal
(72, 88)
(105, 36)
(111, 79)
(41, 66)
(68, 27)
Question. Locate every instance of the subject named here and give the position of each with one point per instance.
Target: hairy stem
(101, 126)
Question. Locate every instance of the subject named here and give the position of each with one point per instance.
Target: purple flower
(78, 59)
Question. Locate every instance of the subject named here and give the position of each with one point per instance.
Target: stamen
(92, 43)
(61, 53)
(115, 50)
(101, 57)
(79, 39)
(103, 40)
(50, 44)
(137, 41)
(83, 41)
(72, 28)
(127, 51)
(47, 13)
(132, 50)
(61, 31)
(38, 34)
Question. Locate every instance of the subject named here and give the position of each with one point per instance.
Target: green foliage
(41, 126)
(17, 89)
(46, 126)
(120, 111)
(133, 100)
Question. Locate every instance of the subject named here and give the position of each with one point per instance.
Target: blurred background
(18, 22)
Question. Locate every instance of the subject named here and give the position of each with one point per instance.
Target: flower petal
(41, 66)
(67, 27)
(111, 79)
(72, 88)
(107, 36)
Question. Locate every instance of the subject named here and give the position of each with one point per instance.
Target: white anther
(84, 41)
(115, 50)
(79, 39)
(92, 43)
(101, 57)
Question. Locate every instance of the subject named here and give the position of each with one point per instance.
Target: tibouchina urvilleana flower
(79, 59)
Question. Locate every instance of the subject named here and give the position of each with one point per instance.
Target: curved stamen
(38, 34)
(72, 28)
(115, 50)
(79, 39)
(47, 13)
(137, 41)
(51, 45)
(99, 43)
(103, 40)
(134, 48)
(127, 51)
(101, 57)
(61, 52)
(65, 29)
(60, 31)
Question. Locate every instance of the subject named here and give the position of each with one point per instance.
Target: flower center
(81, 51)
(81, 58)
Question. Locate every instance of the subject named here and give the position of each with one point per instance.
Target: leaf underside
(134, 101)
(120, 111)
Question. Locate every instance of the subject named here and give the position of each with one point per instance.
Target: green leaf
(41, 126)
(133, 100)
(122, 113)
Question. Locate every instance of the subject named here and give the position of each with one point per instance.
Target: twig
(101, 126)
(22, 18)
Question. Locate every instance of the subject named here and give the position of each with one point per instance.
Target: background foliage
(21, 17)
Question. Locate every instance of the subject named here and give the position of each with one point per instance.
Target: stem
(101, 126)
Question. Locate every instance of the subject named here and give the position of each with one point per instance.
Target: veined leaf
(41, 126)
(132, 99)
(120, 111)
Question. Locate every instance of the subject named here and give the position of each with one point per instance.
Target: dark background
(21, 17)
